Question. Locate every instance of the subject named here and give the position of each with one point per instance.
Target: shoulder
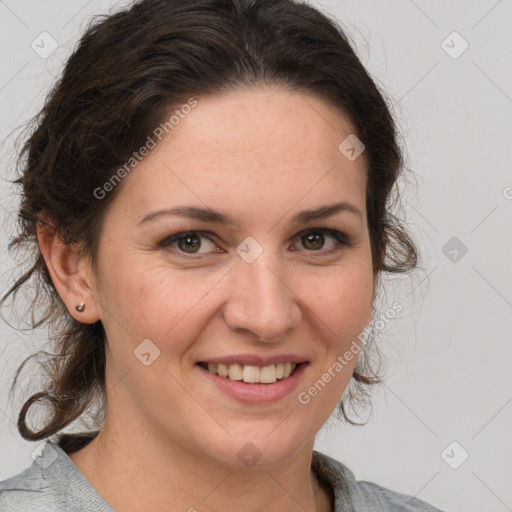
(362, 496)
(27, 491)
(51, 484)
(391, 500)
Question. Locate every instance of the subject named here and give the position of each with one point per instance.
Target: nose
(261, 301)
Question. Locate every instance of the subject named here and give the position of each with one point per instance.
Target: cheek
(167, 306)
(340, 314)
(344, 303)
(137, 301)
(159, 306)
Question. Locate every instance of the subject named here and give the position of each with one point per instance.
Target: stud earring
(80, 307)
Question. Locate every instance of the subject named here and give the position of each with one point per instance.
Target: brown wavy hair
(127, 71)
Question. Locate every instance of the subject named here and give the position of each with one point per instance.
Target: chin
(263, 451)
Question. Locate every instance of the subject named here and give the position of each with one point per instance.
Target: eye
(314, 240)
(188, 242)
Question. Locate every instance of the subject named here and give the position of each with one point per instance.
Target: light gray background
(449, 353)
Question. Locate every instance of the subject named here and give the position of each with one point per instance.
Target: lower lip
(256, 393)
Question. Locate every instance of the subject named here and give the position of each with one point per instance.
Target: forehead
(251, 147)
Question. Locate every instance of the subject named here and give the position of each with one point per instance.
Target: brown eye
(315, 240)
(189, 243)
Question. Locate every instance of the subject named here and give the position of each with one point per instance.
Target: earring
(80, 307)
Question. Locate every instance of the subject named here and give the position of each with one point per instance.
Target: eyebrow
(208, 215)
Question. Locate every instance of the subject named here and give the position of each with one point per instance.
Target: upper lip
(255, 360)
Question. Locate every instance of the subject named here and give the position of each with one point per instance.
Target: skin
(261, 155)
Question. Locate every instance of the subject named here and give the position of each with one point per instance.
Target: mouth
(251, 374)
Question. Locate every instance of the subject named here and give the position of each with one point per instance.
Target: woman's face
(266, 290)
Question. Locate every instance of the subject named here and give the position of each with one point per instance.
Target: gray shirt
(53, 483)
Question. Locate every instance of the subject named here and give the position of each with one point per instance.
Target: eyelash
(340, 238)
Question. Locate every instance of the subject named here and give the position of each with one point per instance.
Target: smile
(251, 374)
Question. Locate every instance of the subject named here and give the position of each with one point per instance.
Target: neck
(167, 476)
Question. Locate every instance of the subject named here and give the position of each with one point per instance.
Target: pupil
(316, 239)
(191, 242)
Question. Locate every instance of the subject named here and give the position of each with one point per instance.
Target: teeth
(253, 374)
(235, 372)
(268, 374)
(223, 370)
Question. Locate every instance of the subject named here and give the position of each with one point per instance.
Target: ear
(71, 275)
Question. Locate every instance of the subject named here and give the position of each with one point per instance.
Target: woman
(207, 192)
